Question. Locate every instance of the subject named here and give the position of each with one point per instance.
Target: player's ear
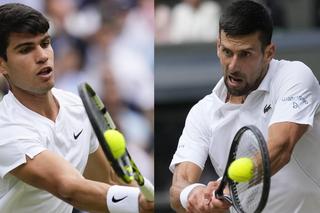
(269, 52)
(218, 46)
(3, 66)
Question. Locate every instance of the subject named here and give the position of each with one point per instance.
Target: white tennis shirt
(26, 133)
(289, 92)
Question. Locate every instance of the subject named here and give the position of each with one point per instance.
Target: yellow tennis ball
(241, 170)
(116, 142)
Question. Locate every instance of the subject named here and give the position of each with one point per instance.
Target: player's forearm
(185, 174)
(84, 194)
(179, 182)
(92, 196)
(175, 198)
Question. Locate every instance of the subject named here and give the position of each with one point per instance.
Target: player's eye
(25, 50)
(227, 52)
(46, 43)
(244, 54)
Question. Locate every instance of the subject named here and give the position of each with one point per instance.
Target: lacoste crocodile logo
(266, 108)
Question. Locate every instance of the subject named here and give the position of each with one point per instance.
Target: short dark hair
(19, 18)
(245, 17)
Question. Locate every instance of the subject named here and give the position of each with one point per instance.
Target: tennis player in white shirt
(46, 140)
(280, 97)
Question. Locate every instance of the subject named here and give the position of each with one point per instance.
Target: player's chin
(48, 86)
(43, 88)
(236, 91)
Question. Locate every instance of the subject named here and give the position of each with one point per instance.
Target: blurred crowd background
(181, 21)
(110, 45)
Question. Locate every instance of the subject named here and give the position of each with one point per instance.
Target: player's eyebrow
(23, 44)
(244, 49)
(31, 43)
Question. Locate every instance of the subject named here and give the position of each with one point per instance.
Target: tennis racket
(250, 196)
(101, 121)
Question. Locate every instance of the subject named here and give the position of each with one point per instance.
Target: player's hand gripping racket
(112, 141)
(246, 180)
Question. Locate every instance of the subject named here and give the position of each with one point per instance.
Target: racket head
(101, 121)
(250, 196)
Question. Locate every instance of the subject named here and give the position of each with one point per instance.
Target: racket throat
(126, 169)
(221, 196)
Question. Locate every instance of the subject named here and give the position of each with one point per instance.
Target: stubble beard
(237, 92)
(247, 88)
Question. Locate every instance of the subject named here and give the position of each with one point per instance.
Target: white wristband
(123, 199)
(185, 193)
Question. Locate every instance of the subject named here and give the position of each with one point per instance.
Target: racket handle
(147, 190)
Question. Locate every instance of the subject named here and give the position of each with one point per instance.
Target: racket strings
(248, 194)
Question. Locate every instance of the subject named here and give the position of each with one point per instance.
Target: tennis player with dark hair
(280, 97)
(46, 140)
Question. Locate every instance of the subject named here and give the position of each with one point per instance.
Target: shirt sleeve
(13, 153)
(94, 143)
(194, 141)
(298, 97)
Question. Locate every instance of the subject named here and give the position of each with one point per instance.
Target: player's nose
(41, 55)
(233, 64)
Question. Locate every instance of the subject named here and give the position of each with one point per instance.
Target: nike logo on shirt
(75, 136)
(118, 200)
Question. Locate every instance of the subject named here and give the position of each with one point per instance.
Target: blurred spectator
(162, 23)
(70, 69)
(58, 12)
(198, 20)
(134, 78)
(136, 31)
(194, 21)
(131, 55)
(139, 30)
(134, 26)
(36, 4)
(97, 53)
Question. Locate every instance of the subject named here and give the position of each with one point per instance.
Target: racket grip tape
(147, 189)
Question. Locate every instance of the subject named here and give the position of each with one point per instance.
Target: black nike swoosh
(118, 200)
(75, 136)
